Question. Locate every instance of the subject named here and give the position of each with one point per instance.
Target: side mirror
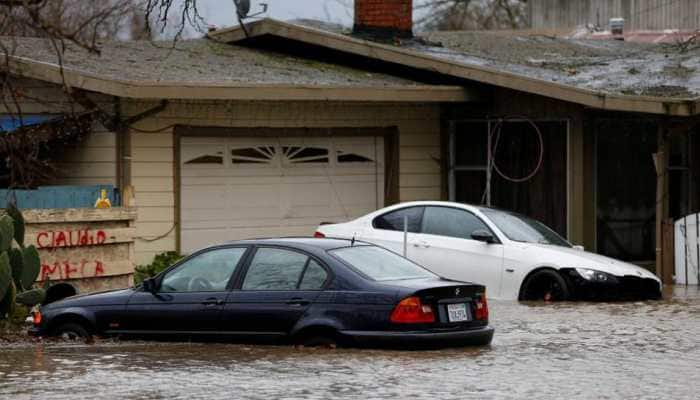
(483, 236)
(149, 285)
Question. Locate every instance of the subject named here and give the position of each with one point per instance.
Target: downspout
(123, 147)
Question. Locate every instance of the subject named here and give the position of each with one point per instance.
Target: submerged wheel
(324, 338)
(72, 331)
(546, 285)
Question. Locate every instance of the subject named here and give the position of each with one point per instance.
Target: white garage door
(236, 188)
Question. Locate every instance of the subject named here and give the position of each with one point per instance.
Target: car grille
(633, 287)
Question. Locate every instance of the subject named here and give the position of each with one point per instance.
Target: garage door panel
(252, 196)
(197, 239)
(268, 187)
(228, 172)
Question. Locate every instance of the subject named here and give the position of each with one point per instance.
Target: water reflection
(568, 350)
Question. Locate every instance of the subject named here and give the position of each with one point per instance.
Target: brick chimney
(384, 18)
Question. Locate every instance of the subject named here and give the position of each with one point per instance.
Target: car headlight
(593, 275)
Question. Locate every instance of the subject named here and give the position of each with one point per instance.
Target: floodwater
(643, 350)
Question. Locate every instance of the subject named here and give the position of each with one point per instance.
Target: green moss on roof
(201, 61)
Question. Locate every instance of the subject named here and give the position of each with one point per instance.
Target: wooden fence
(638, 14)
(91, 248)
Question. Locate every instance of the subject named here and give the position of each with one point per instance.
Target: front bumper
(621, 288)
(480, 336)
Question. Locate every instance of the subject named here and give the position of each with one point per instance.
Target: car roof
(319, 243)
(424, 203)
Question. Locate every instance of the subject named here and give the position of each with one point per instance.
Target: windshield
(523, 229)
(380, 264)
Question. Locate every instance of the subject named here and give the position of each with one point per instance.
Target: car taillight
(482, 308)
(36, 318)
(319, 235)
(411, 311)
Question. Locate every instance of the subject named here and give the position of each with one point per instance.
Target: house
(275, 128)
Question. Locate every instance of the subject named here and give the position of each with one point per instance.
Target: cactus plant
(19, 266)
(5, 275)
(7, 232)
(18, 223)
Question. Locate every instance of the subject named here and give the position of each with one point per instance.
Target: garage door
(236, 188)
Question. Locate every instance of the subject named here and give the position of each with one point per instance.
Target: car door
(446, 247)
(273, 292)
(189, 297)
(387, 230)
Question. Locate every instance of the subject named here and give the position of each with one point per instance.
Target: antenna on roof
(242, 10)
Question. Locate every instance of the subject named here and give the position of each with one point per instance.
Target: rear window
(380, 264)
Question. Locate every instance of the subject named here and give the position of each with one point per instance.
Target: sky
(221, 12)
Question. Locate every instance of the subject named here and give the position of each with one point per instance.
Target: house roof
(611, 75)
(207, 69)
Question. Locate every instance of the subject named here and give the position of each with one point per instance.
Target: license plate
(457, 312)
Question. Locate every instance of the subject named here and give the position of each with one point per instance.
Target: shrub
(159, 263)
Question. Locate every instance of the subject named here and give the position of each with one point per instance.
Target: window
(305, 155)
(394, 220)
(345, 157)
(452, 222)
(207, 272)
(207, 159)
(274, 269)
(520, 228)
(380, 264)
(314, 277)
(253, 155)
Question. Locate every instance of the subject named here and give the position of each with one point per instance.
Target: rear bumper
(473, 337)
(34, 331)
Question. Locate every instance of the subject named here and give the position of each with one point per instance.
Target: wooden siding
(91, 162)
(153, 162)
(638, 14)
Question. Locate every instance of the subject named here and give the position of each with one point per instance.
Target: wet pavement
(643, 350)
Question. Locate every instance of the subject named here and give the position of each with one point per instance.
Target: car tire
(318, 338)
(546, 285)
(72, 331)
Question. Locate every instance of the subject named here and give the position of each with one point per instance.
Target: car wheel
(323, 339)
(546, 285)
(72, 332)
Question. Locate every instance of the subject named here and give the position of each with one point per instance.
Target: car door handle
(298, 302)
(213, 302)
(422, 244)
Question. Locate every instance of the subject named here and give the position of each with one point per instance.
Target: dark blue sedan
(296, 290)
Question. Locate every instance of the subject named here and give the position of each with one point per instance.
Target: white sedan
(514, 256)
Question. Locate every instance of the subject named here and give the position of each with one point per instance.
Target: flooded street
(645, 350)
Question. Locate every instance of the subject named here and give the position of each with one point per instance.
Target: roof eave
(236, 91)
(492, 76)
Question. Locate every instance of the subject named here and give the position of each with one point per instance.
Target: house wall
(638, 14)
(153, 157)
(93, 161)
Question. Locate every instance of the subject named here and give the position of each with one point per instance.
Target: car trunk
(454, 304)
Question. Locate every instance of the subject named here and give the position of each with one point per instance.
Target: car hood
(572, 258)
(110, 297)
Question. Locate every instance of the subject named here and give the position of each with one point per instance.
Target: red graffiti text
(71, 269)
(70, 238)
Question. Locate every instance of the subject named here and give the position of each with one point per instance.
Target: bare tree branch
(471, 14)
